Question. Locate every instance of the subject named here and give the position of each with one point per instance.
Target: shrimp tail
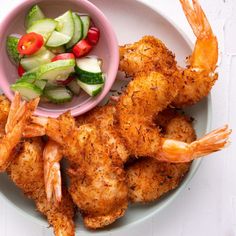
(18, 115)
(52, 172)
(177, 152)
(212, 142)
(205, 55)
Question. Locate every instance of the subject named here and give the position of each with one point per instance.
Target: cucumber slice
(12, 42)
(32, 80)
(86, 24)
(58, 95)
(35, 61)
(78, 31)
(89, 64)
(66, 24)
(27, 90)
(57, 50)
(89, 70)
(58, 70)
(34, 14)
(91, 89)
(74, 87)
(57, 39)
(45, 27)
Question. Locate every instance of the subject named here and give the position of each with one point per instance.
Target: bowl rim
(175, 193)
(113, 61)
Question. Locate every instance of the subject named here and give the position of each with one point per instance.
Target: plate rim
(43, 223)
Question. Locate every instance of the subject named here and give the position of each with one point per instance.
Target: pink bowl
(107, 49)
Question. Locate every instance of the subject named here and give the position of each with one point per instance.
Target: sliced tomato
(93, 35)
(30, 43)
(82, 48)
(20, 70)
(63, 56)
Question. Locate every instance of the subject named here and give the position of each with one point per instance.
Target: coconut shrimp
(27, 172)
(149, 54)
(149, 179)
(146, 96)
(195, 81)
(14, 126)
(97, 177)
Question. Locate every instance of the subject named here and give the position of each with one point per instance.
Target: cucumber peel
(27, 90)
(53, 71)
(12, 51)
(34, 14)
(92, 90)
(32, 80)
(78, 31)
(86, 23)
(89, 71)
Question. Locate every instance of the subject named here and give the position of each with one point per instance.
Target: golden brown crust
(26, 171)
(145, 96)
(4, 108)
(97, 181)
(148, 54)
(149, 179)
(193, 87)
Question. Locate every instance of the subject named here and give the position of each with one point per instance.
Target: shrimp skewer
(18, 115)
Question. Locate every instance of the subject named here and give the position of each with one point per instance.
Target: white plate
(131, 20)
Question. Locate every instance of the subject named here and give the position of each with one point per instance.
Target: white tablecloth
(207, 206)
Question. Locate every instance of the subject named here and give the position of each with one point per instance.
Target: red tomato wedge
(30, 43)
(63, 56)
(20, 70)
(93, 35)
(82, 48)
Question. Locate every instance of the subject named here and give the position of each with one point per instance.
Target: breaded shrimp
(97, 178)
(192, 83)
(4, 108)
(149, 179)
(148, 54)
(199, 77)
(14, 126)
(146, 96)
(26, 171)
(104, 117)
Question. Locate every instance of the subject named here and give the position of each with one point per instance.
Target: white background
(207, 207)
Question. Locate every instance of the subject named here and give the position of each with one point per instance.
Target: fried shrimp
(146, 96)
(192, 83)
(149, 179)
(148, 54)
(14, 126)
(97, 177)
(199, 77)
(27, 172)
